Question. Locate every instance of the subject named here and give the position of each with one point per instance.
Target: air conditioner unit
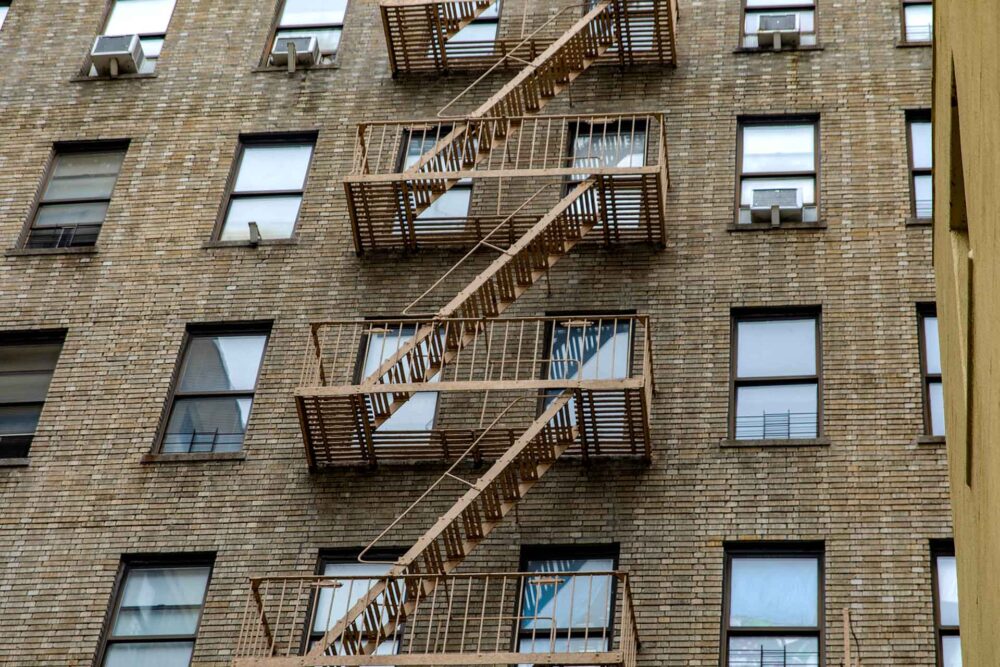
(775, 205)
(305, 48)
(778, 31)
(117, 54)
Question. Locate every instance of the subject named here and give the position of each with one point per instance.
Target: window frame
(738, 315)
(925, 310)
(191, 332)
(66, 148)
(573, 133)
(917, 116)
(941, 548)
(772, 549)
(479, 20)
(775, 120)
(327, 556)
(903, 40)
(798, 6)
(265, 60)
(531, 552)
(463, 184)
(262, 139)
(108, 8)
(131, 562)
(7, 4)
(38, 337)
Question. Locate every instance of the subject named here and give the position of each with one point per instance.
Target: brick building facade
(870, 489)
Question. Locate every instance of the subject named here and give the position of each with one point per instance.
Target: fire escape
(393, 392)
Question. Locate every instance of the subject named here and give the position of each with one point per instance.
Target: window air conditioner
(293, 51)
(117, 54)
(776, 205)
(778, 30)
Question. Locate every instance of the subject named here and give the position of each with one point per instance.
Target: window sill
(792, 442)
(919, 222)
(766, 226)
(247, 244)
(929, 440)
(747, 49)
(205, 457)
(21, 252)
(121, 77)
(14, 462)
(903, 44)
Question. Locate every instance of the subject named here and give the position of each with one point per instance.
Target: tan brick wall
(872, 495)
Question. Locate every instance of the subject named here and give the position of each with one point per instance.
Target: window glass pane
(923, 195)
(774, 592)
(951, 647)
(806, 188)
(776, 411)
(932, 346)
(149, 654)
(19, 419)
(207, 425)
(591, 349)
(313, 12)
(275, 217)
(65, 215)
(151, 47)
(609, 146)
(770, 348)
(935, 395)
(806, 21)
(476, 32)
(3, 13)
(567, 602)
(161, 601)
(452, 204)
(222, 363)
(777, 148)
(138, 17)
(328, 38)
(773, 652)
(919, 22)
(947, 579)
(278, 167)
(25, 387)
(39, 357)
(921, 144)
(84, 175)
(334, 602)
(417, 414)
(491, 12)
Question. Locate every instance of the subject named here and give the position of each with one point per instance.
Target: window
(945, 581)
(215, 387)
(918, 21)
(930, 363)
(753, 10)
(419, 412)
(76, 196)
(773, 612)
(620, 144)
(921, 162)
(4, 8)
(331, 603)
(156, 612)
(26, 367)
(146, 18)
(571, 614)
(776, 364)
(449, 211)
(270, 177)
(778, 165)
(477, 38)
(322, 19)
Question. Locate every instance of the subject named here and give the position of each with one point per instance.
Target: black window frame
(772, 550)
(904, 40)
(252, 141)
(108, 9)
(917, 116)
(333, 56)
(941, 549)
(439, 132)
(925, 311)
(191, 332)
(59, 149)
(131, 562)
(530, 552)
(771, 314)
(20, 444)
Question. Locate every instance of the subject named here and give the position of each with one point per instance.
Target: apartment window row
(777, 184)
(773, 603)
